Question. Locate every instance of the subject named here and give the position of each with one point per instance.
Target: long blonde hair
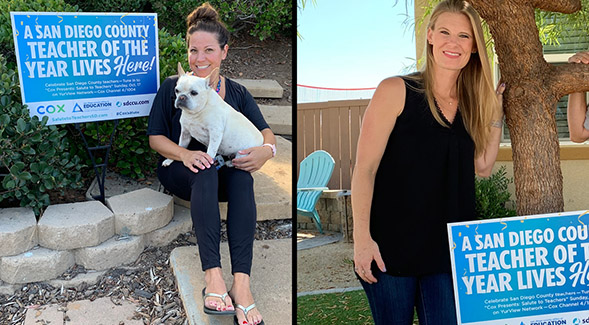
(474, 86)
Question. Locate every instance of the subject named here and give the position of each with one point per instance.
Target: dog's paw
(167, 162)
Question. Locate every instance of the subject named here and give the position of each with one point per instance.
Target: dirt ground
(326, 267)
(250, 58)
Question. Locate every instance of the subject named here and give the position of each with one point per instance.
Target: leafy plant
(34, 158)
(172, 50)
(262, 18)
(493, 200)
(134, 157)
(112, 5)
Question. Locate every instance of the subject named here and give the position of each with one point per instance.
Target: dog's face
(191, 93)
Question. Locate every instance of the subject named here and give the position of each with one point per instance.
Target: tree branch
(569, 78)
(564, 6)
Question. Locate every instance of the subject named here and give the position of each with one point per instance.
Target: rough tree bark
(533, 90)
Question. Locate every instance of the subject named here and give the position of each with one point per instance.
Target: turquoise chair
(314, 174)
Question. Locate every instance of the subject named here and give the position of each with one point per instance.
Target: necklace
(218, 85)
(439, 109)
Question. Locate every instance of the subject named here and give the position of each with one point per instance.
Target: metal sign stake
(100, 176)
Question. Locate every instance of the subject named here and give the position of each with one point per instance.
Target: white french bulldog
(210, 120)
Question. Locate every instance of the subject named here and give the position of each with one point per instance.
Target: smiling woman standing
(423, 138)
(193, 177)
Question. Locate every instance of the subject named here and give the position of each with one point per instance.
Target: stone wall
(335, 211)
(90, 234)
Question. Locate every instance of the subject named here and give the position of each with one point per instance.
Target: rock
(181, 223)
(18, 231)
(35, 265)
(141, 211)
(111, 253)
(75, 225)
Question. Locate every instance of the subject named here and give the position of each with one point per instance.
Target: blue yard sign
(531, 270)
(82, 67)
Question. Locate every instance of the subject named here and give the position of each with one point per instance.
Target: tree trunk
(533, 90)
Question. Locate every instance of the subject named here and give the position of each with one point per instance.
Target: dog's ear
(180, 70)
(213, 78)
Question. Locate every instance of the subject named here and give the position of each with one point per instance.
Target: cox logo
(50, 109)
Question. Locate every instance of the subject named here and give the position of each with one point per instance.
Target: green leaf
(48, 184)
(5, 100)
(21, 125)
(10, 184)
(17, 167)
(4, 119)
(25, 176)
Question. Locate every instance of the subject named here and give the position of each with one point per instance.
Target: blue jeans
(393, 298)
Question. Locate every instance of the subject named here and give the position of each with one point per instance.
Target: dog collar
(272, 146)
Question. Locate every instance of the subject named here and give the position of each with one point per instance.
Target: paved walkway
(334, 290)
(319, 240)
(103, 311)
(271, 281)
(271, 286)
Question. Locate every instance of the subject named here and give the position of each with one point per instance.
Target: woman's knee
(238, 177)
(207, 177)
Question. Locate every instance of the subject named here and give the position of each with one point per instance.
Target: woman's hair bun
(204, 12)
(205, 18)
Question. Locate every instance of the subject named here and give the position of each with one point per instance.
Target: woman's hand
(499, 112)
(577, 107)
(365, 251)
(200, 159)
(581, 57)
(255, 159)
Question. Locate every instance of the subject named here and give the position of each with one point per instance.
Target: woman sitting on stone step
(193, 177)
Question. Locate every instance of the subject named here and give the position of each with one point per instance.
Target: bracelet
(497, 124)
(271, 146)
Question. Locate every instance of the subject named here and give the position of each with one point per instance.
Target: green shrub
(262, 18)
(112, 5)
(172, 50)
(34, 158)
(492, 198)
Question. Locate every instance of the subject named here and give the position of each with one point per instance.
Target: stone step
(263, 88)
(140, 211)
(113, 252)
(83, 312)
(181, 223)
(272, 186)
(271, 281)
(75, 225)
(18, 231)
(278, 117)
(38, 264)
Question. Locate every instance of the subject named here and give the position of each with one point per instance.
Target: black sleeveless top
(425, 180)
